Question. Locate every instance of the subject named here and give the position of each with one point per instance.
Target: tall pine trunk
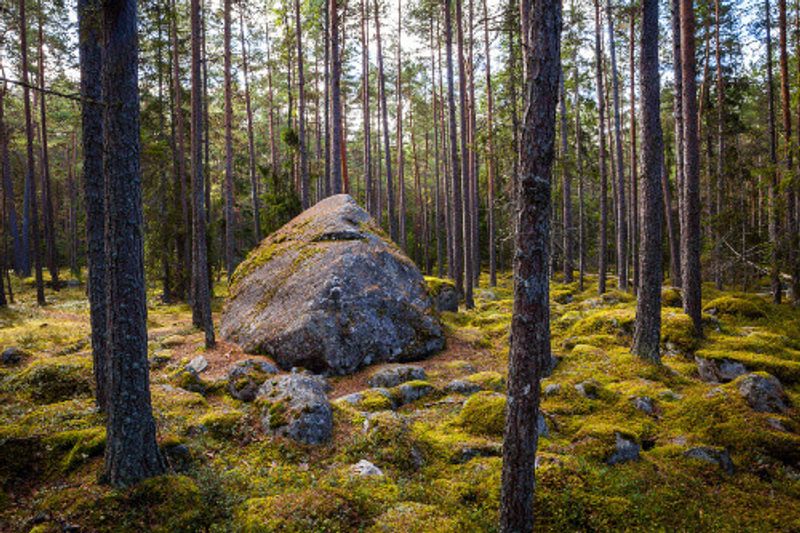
(647, 330)
(465, 236)
(305, 182)
(230, 223)
(385, 127)
(676, 261)
(601, 107)
(336, 99)
(690, 235)
(201, 297)
(30, 181)
(530, 324)
(47, 195)
(251, 147)
(131, 452)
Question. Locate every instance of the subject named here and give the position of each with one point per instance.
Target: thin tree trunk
(273, 144)
(336, 99)
(621, 226)
(401, 186)
(677, 114)
(251, 147)
(490, 168)
(201, 297)
(634, 204)
(47, 196)
(93, 190)
(566, 187)
(530, 325)
(305, 182)
(774, 236)
(602, 251)
(455, 163)
(230, 244)
(464, 237)
(581, 192)
(647, 330)
(690, 238)
(368, 188)
(182, 188)
(131, 449)
(721, 137)
(12, 224)
(30, 181)
(393, 233)
(326, 31)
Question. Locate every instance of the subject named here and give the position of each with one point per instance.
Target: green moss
(50, 380)
(413, 516)
(489, 380)
(374, 401)
(222, 425)
(677, 330)
(737, 306)
(435, 285)
(786, 371)
(173, 502)
(189, 380)
(278, 414)
(484, 413)
(79, 445)
(300, 512)
(617, 322)
(671, 297)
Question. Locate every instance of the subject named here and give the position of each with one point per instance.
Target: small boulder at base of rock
(589, 389)
(644, 404)
(245, 377)
(763, 393)
(198, 364)
(395, 375)
(708, 454)
(13, 356)
(331, 293)
(626, 450)
(460, 386)
(364, 468)
(295, 406)
(411, 391)
(721, 371)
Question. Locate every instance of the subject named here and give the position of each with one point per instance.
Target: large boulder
(331, 293)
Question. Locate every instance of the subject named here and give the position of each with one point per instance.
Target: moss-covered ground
(441, 458)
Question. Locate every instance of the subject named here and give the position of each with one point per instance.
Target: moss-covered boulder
(331, 293)
(296, 406)
(749, 307)
(413, 516)
(50, 380)
(300, 512)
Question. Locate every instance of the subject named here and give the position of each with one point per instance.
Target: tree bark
(393, 233)
(368, 186)
(336, 99)
(47, 196)
(634, 203)
(621, 226)
(455, 163)
(566, 187)
(230, 223)
(305, 182)
(12, 223)
(30, 181)
(601, 109)
(465, 237)
(677, 114)
(251, 146)
(774, 237)
(690, 237)
(490, 163)
(401, 185)
(131, 450)
(201, 297)
(530, 325)
(647, 330)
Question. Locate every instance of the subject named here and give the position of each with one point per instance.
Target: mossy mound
(786, 371)
(745, 307)
(300, 512)
(222, 425)
(677, 332)
(484, 413)
(55, 379)
(617, 322)
(436, 285)
(489, 380)
(413, 516)
(671, 297)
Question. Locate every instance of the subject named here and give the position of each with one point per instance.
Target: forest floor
(440, 455)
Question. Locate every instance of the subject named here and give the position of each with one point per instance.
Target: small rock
(670, 396)
(764, 393)
(411, 392)
(541, 426)
(172, 341)
(447, 299)
(468, 452)
(198, 364)
(776, 424)
(160, 359)
(721, 371)
(245, 377)
(552, 389)
(485, 294)
(626, 450)
(718, 456)
(296, 406)
(644, 404)
(542, 460)
(13, 356)
(588, 389)
(364, 468)
(460, 386)
(395, 375)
